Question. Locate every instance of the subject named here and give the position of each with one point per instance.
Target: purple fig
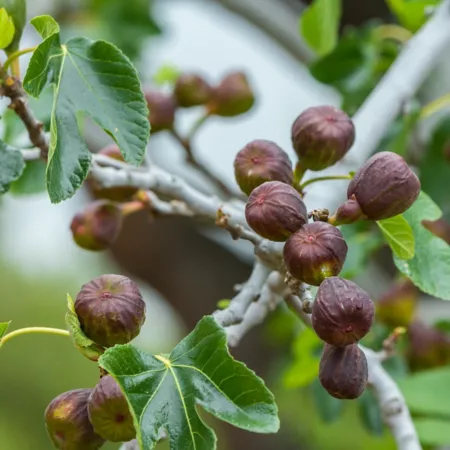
(191, 90)
(162, 110)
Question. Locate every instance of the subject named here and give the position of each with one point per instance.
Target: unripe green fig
(67, 422)
(321, 136)
(232, 97)
(97, 226)
(17, 10)
(191, 90)
(316, 251)
(384, 186)
(110, 309)
(162, 110)
(275, 210)
(260, 161)
(342, 312)
(343, 371)
(109, 412)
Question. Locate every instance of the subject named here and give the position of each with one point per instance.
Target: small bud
(384, 186)
(110, 309)
(109, 413)
(67, 422)
(191, 90)
(321, 136)
(342, 312)
(232, 97)
(397, 306)
(316, 251)
(162, 110)
(275, 210)
(343, 371)
(117, 193)
(98, 226)
(348, 212)
(261, 161)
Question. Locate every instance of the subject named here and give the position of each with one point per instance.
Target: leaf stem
(331, 177)
(434, 106)
(13, 60)
(30, 330)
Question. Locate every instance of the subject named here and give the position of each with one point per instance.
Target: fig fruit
(109, 412)
(321, 136)
(260, 161)
(98, 226)
(342, 312)
(275, 210)
(348, 212)
(232, 97)
(384, 186)
(343, 371)
(397, 306)
(162, 110)
(191, 90)
(67, 422)
(110, 309)
(117, 193)
(316, 251)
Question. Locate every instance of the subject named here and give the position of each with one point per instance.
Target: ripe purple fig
(191, 90)
(109, 412)
(343, 371)
(260, 161)
(162, 110)
(275, 210)
(316, 251)
(110, 309)
(342, 312)
(321, 136)
(67, 422)
(384, 186)
(397, 306)
(232, 97)
(97, 226)
(116, 193)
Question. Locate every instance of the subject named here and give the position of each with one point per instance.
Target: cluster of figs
(315, 252)
(111, 311)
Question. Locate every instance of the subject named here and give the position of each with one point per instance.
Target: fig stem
(299, 172)
(197, 125)
(30, 330)
(13, 60)
(331, 177)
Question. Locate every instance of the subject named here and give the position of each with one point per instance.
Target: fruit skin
(97, 226)
(17, 10)
(384, 186)
(67, 422)
(343, 371)
(232, 97)
(275, 210)
(316, 251)
(428, 348)
(117, 193)
(110, 309)
(397, 306)
(260, 161)
(191, 90)
(162, 110)
(342, 312)
(109, 413)
(321, 136)
(348, 212)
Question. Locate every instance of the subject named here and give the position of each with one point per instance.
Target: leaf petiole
(30, 330)
(12, 59)
(331, 177)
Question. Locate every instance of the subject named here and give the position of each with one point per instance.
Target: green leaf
(370, 413)
(163, 391)
(166, 74)
(433, 432)
(7, 29)
(4, 328)
(328, 407)
(32, 180)
(305, 367)
(399, 235)
(411, 13)
(95, 78)
(17, 10)
(11, 166)
(430, 267)
(319, 25)
(428, 392)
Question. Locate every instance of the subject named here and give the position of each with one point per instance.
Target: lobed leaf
(11, 166)
(399, 235)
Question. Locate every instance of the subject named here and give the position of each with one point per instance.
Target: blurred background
(185, 268)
